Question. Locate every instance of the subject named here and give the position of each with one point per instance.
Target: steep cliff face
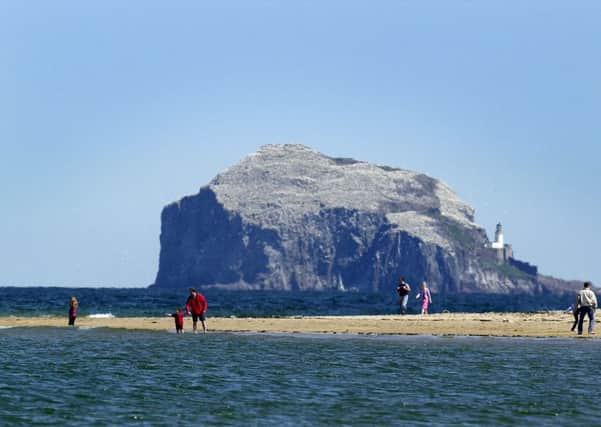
(290, 218)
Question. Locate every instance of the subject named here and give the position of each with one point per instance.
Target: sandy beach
(543, 324)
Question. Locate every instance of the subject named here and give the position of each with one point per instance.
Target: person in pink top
(73, 304)
(426, 298)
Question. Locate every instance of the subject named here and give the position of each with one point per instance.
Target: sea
(112, 377)
(43, 301)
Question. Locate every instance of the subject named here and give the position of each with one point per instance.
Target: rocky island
(290, 218)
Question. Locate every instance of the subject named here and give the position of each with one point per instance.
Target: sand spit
(542, 324)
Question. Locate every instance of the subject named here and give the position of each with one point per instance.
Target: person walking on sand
(73, 304)
(573, 310)
(403, 290)
(588, 304)
(197, 306)
(426, 298)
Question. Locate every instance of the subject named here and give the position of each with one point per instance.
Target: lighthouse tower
(498, 243)
(503, 253)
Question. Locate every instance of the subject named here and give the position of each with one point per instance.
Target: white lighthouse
(498, 243)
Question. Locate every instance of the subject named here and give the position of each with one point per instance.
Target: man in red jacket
(197, 306)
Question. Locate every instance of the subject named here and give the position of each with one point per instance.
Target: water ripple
(113, 377)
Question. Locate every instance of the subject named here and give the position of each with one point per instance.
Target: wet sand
(543, 324)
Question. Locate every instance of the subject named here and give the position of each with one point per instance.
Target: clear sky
(111, 109)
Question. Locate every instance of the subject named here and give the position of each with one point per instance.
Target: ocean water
(102, 377)
(155, 302)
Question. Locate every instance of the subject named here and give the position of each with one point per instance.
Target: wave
(101, 316)
(6, 327)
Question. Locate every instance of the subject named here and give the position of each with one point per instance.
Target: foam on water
(101, 316)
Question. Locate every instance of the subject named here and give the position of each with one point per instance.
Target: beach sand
(543, 324)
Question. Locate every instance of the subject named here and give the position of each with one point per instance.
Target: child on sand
(179, 320)
(573, 309)
(426, 298)
(73, 304)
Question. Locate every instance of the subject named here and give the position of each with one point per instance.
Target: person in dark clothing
(403, 290)
(573, 310)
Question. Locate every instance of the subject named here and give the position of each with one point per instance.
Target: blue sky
(111, 110)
